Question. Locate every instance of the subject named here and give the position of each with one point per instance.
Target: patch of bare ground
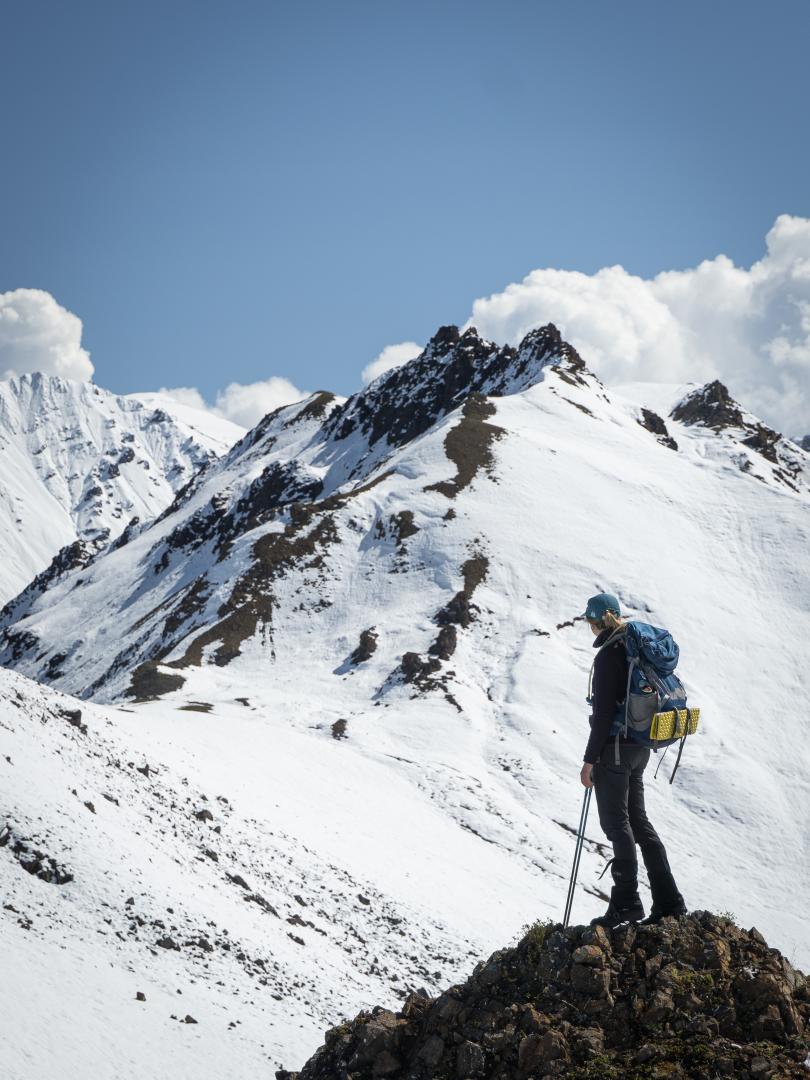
(148, 683)
(469, 445)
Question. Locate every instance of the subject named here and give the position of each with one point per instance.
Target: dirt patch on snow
(469, 445)
(149, 683)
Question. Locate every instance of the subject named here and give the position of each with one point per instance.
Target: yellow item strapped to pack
(674, 724)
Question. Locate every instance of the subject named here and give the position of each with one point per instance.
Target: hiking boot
(657, 914)
(615, 916)
(625, 903)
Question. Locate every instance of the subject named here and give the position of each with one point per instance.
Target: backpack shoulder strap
(618, 633)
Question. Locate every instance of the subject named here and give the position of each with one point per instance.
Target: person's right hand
(586, 775)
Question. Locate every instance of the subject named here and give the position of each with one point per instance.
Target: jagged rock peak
(711, 405)
(407, 400)
(692, 998)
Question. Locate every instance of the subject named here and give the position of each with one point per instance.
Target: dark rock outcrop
(366, 648)
(691, 998)
(710, 405)
(653, 422)
(713, 407)
(408, 400)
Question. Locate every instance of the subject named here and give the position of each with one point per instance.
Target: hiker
(614, 767)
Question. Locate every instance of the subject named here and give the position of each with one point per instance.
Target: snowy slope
(370, 608)
(77, 463)
(323, 898)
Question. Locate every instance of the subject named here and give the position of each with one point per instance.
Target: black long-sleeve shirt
(608, 690)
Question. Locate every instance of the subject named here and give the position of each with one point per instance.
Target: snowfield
(361, 655)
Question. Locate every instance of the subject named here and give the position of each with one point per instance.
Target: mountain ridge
(79, 462)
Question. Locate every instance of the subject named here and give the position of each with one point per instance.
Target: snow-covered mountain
(360, 628)
(78, 463)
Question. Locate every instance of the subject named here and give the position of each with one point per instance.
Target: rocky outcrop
(653, 422)
(693, 998)
(407, 401)
(713, 407)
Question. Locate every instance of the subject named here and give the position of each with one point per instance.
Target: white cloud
(186, 395)
(242, 404)
(748, 327)
(246, 405)
(37, 334)
(391, 356)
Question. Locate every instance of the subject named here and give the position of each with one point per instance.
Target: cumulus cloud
(244, 404)
(37, 334)
(748, 327)
(391, 356)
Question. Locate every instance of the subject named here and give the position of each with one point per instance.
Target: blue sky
(233, 191)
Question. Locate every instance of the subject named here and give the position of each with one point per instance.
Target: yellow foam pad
(674, 724)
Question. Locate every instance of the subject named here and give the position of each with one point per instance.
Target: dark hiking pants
(619, 793)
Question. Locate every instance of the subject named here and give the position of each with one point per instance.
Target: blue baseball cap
(599, 605)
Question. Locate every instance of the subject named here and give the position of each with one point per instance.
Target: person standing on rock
(619, 788)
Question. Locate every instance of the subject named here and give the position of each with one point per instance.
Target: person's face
(595, 627)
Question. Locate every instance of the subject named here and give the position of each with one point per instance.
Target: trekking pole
(583, 818)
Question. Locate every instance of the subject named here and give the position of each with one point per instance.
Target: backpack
(654, 710)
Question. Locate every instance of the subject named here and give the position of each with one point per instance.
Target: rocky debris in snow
(168, 942)
(140, 996)
(693, 998)
(130, 531)
(339, 729)
(203, 815)
(30, 858)
(654, 423)
(74, 718)
(264, 904)
(367, 647)
(459, 611)
(402, 526)
(469, 445)
(416, 670)
(237, 879)
(445, 644)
